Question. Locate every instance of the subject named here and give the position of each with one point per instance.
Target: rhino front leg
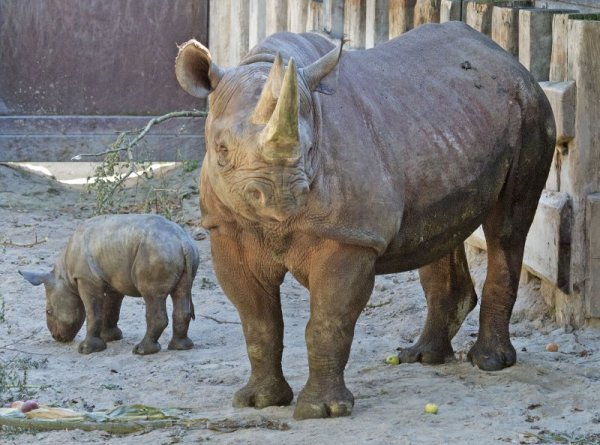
(111, 311)
(340, 281)
(156, 322)
(92, 296)
(251, 281)
(450, 297)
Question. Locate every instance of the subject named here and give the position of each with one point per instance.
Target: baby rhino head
(65, 313)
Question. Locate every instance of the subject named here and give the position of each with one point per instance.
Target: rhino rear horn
(195, 70)
(37, 278)
(270, 93)
(317, 70)
(281, 136)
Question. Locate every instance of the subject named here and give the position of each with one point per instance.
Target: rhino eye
(222, 155)
(49, 311)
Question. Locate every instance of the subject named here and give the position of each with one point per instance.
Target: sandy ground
(545, 398)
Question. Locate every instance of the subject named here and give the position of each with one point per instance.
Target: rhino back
(133, 254)
(420, 129)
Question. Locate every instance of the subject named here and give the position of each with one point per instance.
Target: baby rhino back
(136, 255)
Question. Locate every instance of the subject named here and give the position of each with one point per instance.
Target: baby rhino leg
(183, 312)
(450, 297)
(156, 322)
(111, 309)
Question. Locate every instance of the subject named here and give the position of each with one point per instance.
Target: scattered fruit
(431, 408)
(392, 359)
(29, 405)
(552, 347)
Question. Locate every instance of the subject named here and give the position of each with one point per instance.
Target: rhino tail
(192, 261)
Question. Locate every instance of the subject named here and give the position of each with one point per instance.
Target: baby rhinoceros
(111, 256)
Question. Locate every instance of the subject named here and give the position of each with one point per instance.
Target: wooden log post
(479, 16)
(275, 16)
(377, 22)
(558, 58)
(297, 11)
(333, 18)
(450, 10)
(315, 20)
(229, 31)
(505, 25)
(401, 16)
(257, 25)
(355, 22)
(426, 11)
(535, 39)
(582, 177)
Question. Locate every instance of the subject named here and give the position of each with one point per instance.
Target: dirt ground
(545, 398)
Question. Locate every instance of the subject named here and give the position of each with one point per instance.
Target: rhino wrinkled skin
(345, 165)
(108, 257)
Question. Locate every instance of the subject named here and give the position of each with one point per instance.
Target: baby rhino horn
(280, 137)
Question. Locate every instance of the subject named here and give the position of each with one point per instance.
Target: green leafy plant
(154, 192)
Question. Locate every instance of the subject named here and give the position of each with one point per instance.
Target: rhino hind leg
(183, 311)
(111, 310)
(156, 322)
(450, 297)
(505, 229)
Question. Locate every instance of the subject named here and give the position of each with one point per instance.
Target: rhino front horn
(280, 136)
(270, 93)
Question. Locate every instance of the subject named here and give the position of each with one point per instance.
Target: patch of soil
(545, 398)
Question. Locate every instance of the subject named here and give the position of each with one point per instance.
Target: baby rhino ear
(37, 278)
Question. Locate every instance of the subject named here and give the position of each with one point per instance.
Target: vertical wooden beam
(333, 17)
(315, 20)
(584, 157)
(535, 40)
(426, 11)
(257, 24)
(401, 16)
(377, 22)
(558, 58)
(354, 22)
(297, 15)
(276, 16)
(219, 31)
(479, 16)
(450, 10)
(505, 28)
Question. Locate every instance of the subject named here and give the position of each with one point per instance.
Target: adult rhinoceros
(350, 164)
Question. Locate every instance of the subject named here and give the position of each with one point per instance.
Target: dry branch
(9, 243)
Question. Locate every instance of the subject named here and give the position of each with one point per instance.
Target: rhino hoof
(315, 405)
(492, 358)
(146, 347)
(89, 345)
(261, 396)
(319, 411)
(425, 355)
(111, 334)
(181, 344)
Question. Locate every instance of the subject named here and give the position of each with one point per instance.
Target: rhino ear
(317, 70)
(37, 278)
(195, 70)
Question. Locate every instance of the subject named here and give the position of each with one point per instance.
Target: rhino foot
(181, 344)
(266, 393)
(111, 334)
(492, 357)
(92, 344)
(429, 353)
(146, 347)
(312, 405)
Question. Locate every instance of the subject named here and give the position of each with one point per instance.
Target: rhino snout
(258, 193)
